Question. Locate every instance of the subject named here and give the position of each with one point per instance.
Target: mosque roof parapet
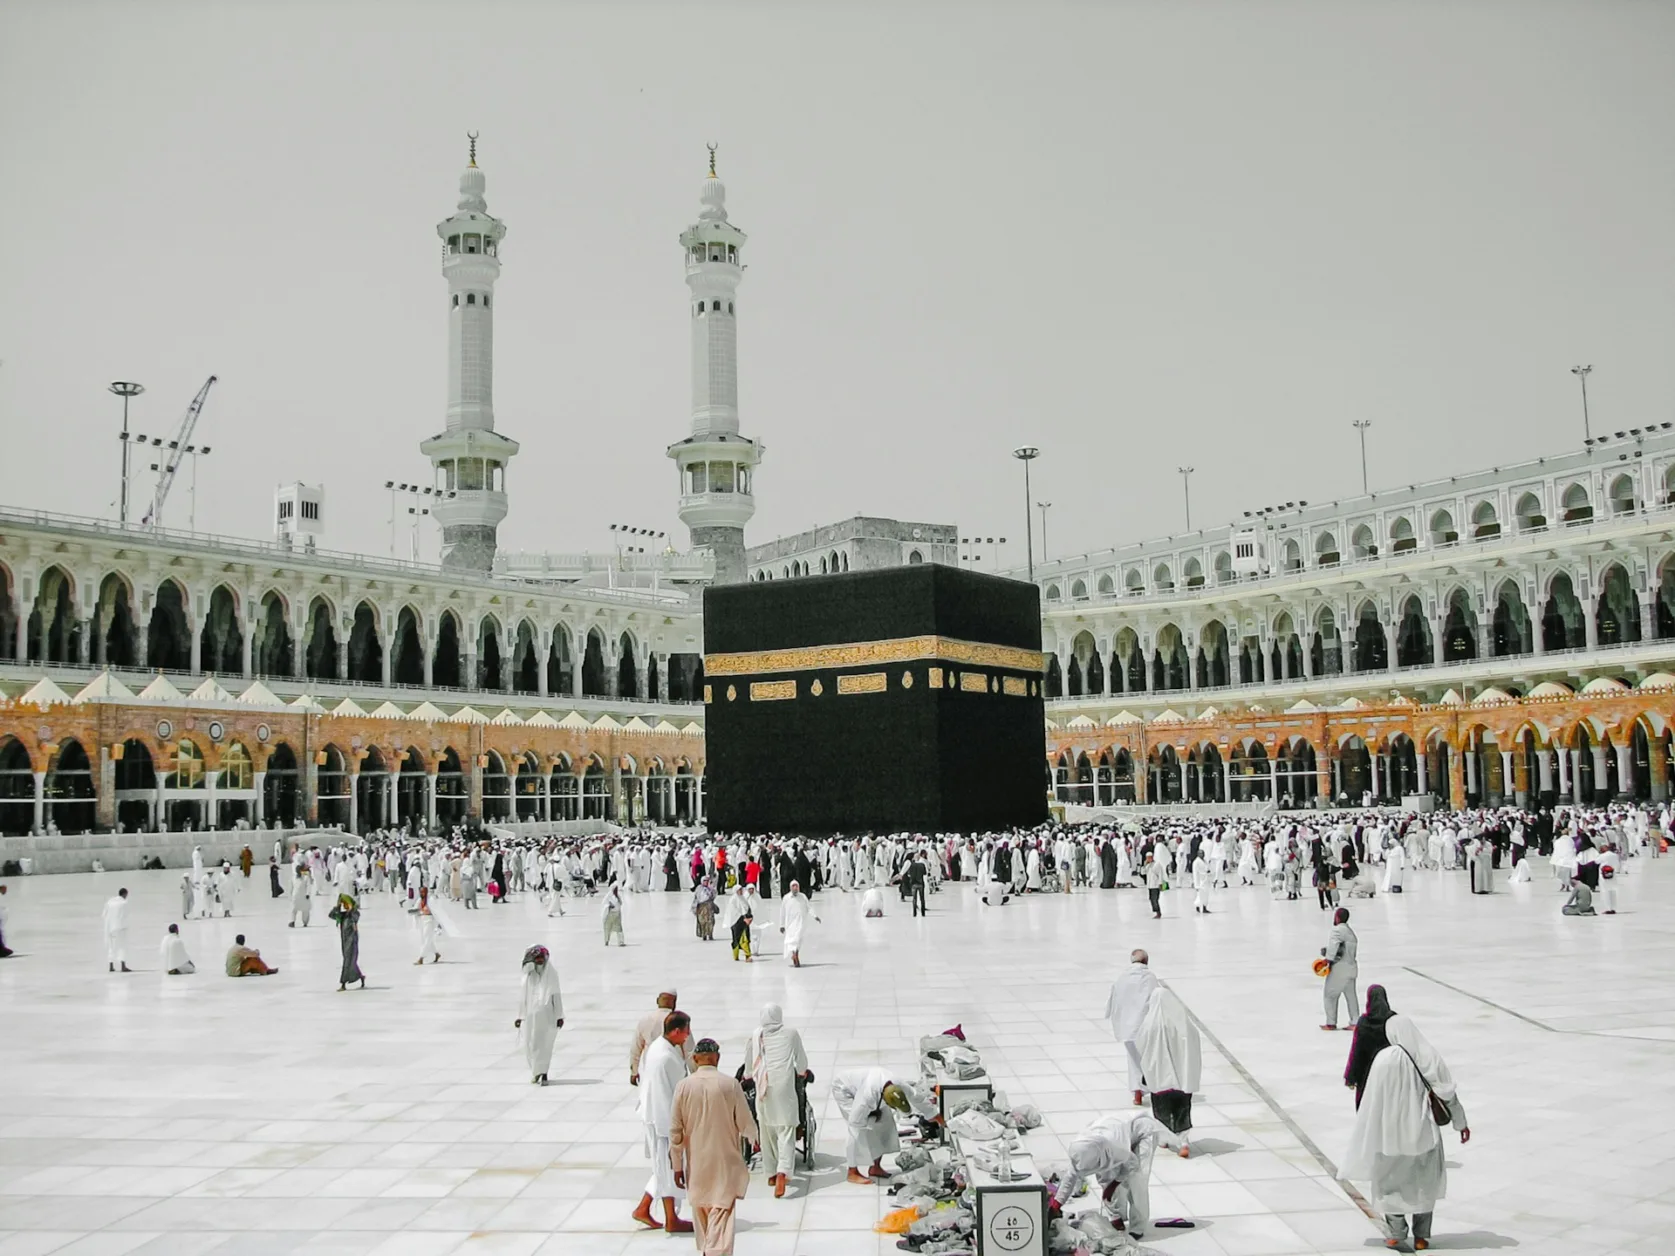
(468, 715)
(1647, 455)
(349, 708)
(506, 717)
(1657, 680)
(220, 547)
(1604, 684)
(429, 712)
(387, 711)
(574, 719)
(541, 719)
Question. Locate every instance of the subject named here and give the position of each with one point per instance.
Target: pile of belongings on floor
(1087, 1233)
(935, 1208)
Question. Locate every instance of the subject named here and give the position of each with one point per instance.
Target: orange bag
(897, 1222)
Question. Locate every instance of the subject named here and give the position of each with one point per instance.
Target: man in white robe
(1116, 1152)
(868, 1101)
(176, 962)
(115, 919)
(661, 1070)
(1395, 860)
(794, 913)
(776, 1060)
(1126, 1008)
(541, 1012)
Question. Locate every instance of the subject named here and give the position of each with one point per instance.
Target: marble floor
(145, 1113)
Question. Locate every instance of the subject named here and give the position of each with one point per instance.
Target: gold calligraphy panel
(863, 682)
(772, 690)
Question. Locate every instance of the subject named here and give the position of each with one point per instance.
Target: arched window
(236, 772)
(715, 306)
(1442, 529)
(1193, 571)
(1361, 544)
(1326, 550)
(1162, 578)
(914, 558)
(456, 300)
(1135, 582)
(1401, 536)
(1528, 513)
(188, 767)
(1053, 593)
(1293, 556)
(471, 298)
(1622, 495)
(1577, 506)
(485, 300)
(1485, 522)
(1106, 586)
(729, 307)
(1079, 590)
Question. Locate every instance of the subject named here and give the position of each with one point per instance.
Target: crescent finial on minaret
(472, 136)
(711, 147)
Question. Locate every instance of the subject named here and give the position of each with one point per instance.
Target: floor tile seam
(1296, 1130)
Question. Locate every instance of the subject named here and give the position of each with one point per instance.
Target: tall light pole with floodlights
(1028, 454)
(126, 390)
(1186, 492)
(1361, 426)
(1582, 373)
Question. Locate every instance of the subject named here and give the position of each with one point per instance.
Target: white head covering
(1168, 1044)
(1395, 1116)
(1101, 1156)
(772, 1016)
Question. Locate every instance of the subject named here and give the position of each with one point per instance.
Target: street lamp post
(1581, 373)
(1361, 426)
(125, 390)
(1186, 492)
(192, 510)
(1028, 454)
(1044, 507)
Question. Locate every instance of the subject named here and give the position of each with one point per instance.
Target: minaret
(469, 456)
(716, 463)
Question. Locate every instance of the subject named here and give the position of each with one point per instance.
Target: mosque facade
(1507, 635)
(1503, 636)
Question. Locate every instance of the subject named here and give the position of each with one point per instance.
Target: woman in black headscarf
(1369, 1040)
(498, 876)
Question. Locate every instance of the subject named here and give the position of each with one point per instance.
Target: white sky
(1136, 235)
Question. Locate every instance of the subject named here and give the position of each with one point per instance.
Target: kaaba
(901, 700)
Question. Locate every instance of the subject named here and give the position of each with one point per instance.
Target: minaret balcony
(717, 510)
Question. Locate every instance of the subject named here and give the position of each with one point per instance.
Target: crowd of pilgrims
(1334, 855)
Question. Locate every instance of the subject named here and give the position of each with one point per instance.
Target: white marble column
(1508, 789)
(1420, 767)
(259, 779)
(39, 824)
(1625, 771)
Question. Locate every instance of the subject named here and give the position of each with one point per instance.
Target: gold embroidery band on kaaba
(873, 653)
(772, 690)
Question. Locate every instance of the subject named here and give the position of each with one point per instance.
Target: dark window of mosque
(729, 307)
(471, 298)
(715, 305)
(485, 300)
(456, 300)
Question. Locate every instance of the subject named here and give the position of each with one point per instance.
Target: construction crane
(172, 455)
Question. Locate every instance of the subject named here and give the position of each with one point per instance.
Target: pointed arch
(1512, 622)
(407, 657)
(489, 669)
(1617, 617)
(1562, 624)
(627, 668)
(271, 650)
(320, 647)
(446, 668)
(169, 635)
(366, 646)
(115, 634)
(1413, 635)
(221, 643)
(526, 660)
(1459, 634)
(593, 665)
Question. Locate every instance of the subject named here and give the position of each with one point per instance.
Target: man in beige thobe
(709, 1120)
